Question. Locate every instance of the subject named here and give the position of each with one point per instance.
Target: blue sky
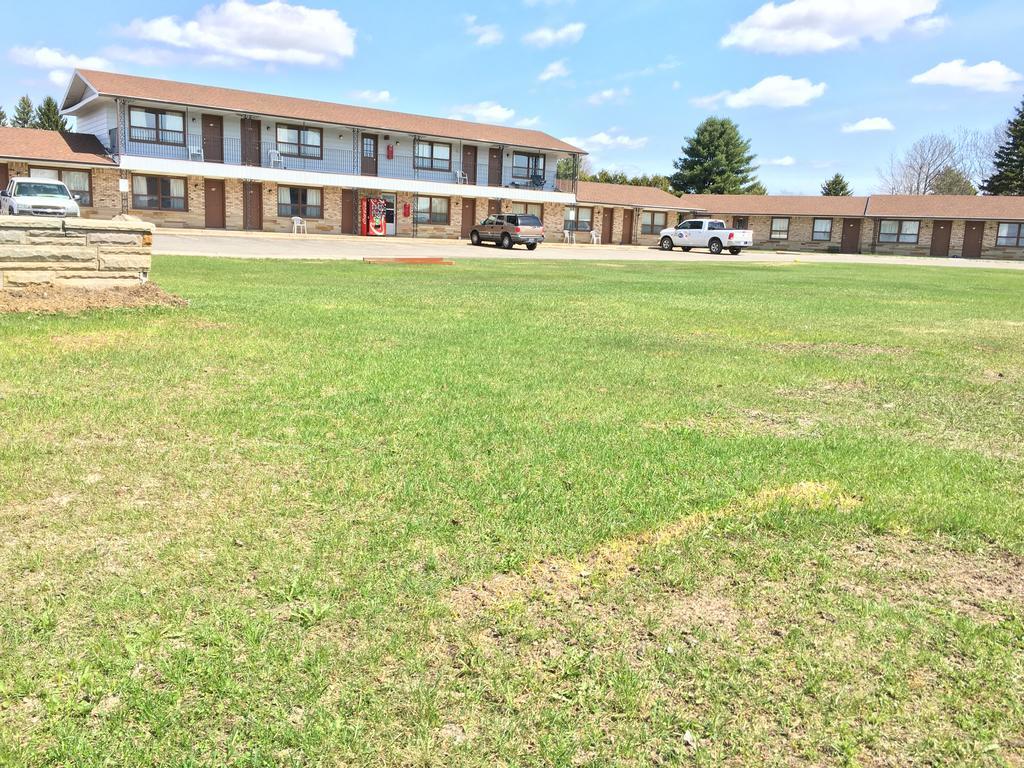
(819, 86)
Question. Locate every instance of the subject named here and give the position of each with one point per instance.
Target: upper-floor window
(433, 156)
(79, 183)
(526, 166)
(893, 231)
(156, 126)
(300, 141)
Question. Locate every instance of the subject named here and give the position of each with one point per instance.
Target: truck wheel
(687, 249)
(735, 251)
(666, 243)
(715, 246)
(531, 246)
(474, 237)
(506, 241)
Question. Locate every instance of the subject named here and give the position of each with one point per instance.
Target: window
(158, 193)
(298, 201)
(578, 219)
(822, 229)
(652, 222)
(780, 228)
(297, 141)
(1010, 235)
(526, 166)
(534, 209)
(716, 225)
(78, 182)
(431, 210)
(692, 224)
(892, 231)
(370, 146)
(156, 126)
(433, 156)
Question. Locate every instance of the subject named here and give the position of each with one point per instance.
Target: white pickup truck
(37, 197)
(706, 233)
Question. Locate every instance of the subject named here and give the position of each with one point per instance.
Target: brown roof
(628, 196)
(947, 206)
(52, 146)
(173, 92)
(780, 205)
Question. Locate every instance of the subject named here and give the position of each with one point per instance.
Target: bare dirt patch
(49, 300)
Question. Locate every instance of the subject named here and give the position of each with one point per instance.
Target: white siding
(98, 119)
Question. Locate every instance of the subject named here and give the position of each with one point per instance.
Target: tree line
(46, 116)
(717, 160)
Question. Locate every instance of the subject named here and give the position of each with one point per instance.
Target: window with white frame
(898, 231)
(822, 229)
(652, 222)
(780, 228)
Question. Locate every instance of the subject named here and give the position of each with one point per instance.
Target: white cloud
(484, 112)
(372, 97)
(51, 58)
(778, 91)
(528, 122)
(607, 140)
(545, 37)
(870, 124)
(59, 77)
(930, 25)
(273, 31)
(485, 34)
(607, 95)
(553, 71)
(814, 26)
(986, 76)
(783, 161)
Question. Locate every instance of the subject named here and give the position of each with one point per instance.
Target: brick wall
(73, 252)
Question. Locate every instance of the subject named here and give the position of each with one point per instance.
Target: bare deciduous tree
(968, 152)
(977, 150)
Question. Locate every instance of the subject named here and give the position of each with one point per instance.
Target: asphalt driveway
(261, 245)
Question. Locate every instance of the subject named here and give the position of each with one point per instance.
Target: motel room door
(252, 151)
(940, 238)
(627, 225)
(252, 205)
(974, 236)
(5, 175)
(391, 202)
(607, 224)
(468, 216)
(213, 138)
(469, 158)
(494, 166)
(214, 204)
(368, 156)
(851, 236)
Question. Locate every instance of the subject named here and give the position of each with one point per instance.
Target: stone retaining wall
(80, 253)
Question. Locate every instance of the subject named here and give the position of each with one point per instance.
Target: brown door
(468, 215)
(627, 226)
(214, 204)
(252, 153)
(606, 226)
(940, 238)
(368, 165)
(851, 236)
(469, 155)
(252, 205)
(213, 138)
(493, 207)
(348, 211)
(5, 176)
(494, 167)
(974, 236)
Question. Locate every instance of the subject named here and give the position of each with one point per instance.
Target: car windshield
(40, 189)
(529, 221)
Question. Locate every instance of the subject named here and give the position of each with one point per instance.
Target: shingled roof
(779, 205)
(52, 146)
(989, 207)
(249, 102)
(632, 197)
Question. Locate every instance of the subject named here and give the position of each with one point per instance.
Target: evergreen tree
(3, 118)
(49, 118)
(836, 187)
(757, 188)
(952, 181)
(717, 160)
(1008, 175)
(23, 113)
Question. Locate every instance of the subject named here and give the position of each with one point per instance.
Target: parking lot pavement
(261, 245)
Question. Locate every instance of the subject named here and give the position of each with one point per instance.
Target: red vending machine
(373, 216)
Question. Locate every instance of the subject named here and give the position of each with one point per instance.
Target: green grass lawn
(518, 514)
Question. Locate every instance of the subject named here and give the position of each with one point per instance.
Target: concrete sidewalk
(267, 245)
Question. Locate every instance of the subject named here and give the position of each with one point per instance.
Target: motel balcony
(270, 154)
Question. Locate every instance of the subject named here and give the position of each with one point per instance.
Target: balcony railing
(270, 154)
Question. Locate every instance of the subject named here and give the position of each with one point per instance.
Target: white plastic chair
(196, 153)
(461, 177)
(299, 226)
(568, 236)
(595, 237)
(275, 159)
